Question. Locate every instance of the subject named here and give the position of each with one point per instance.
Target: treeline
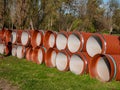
(86, 15)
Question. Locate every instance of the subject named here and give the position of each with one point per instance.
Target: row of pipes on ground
(79, 52)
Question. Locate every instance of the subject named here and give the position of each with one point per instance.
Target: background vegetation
(87, 15)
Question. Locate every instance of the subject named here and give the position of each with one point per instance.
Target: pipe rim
(59, 43)
(93, 72)
(48, 57)
(66, 63)
(25, 36)
(98, 47)
(74, 45)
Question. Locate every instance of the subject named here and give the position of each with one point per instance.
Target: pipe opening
(53, 58)
(20, 52)
(73, 43)
(94, 45)
(103, 69)
(76, 64)
(61, 61)
(14, 51)
(51, 40)
(61, 41)
(24, 38)
(13, 37)
(2, 48)
(38, 39)
(40, 56)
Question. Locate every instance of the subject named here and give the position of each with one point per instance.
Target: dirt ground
(6, 85)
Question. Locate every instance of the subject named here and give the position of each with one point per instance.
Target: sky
(105, 1)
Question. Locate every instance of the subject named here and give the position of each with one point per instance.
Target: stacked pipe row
(80, 52)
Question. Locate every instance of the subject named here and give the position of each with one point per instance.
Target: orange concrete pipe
(14, 50)
(14, 37)
(7, 36)
(25, 38)
(21, 51)
(38, 55)
(1, 35)
(102, 44)
(105, 67)
(37, 38)
(50, 57)
(49, 39)
(5, 49)
(29, 51)
(61, 40)
(62, 60)
(19, 33)
(79, 63)
(77, 41)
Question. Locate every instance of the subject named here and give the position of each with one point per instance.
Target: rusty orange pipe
(77, 41)
(19, 33)
(105, 67)
(61, 40)
(7, 36)
(5, 49)
(25, 38)
(14, 37)
(62, 60)
(28, 55)
(50, 57)
(102, 44)
(21, 51)
(14, 50)
(2, 35)
(38, 55)
(37, 38)
(79, 63)
(49, 39)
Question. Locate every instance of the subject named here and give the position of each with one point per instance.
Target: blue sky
(105, 1)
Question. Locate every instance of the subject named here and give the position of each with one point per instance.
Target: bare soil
(6, 85)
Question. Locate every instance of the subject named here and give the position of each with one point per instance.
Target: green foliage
(88, 15)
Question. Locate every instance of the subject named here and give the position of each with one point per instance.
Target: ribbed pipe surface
(37, 38)
(50, 57)
(49, 39)
(29, 51)
(38, 55)
(102, 44)
(21, 51)
(62, 61)
(79, 63)
(61, 40)
(105, 67)
(14, 50)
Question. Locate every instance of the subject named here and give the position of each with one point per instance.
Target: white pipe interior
(19, 52)
(53, 58)
(38, 39)
(61, 61)
(40, 56)
(51, 40)
(14, 51)
(76, 64)
(2, 48)
(94, 46)
(24, 38)
(13, 37)
(73, 43)
(103, 69)
(61, 41)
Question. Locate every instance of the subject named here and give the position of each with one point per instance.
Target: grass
(30, 76)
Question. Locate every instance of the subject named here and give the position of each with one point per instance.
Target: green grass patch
(30, 76)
